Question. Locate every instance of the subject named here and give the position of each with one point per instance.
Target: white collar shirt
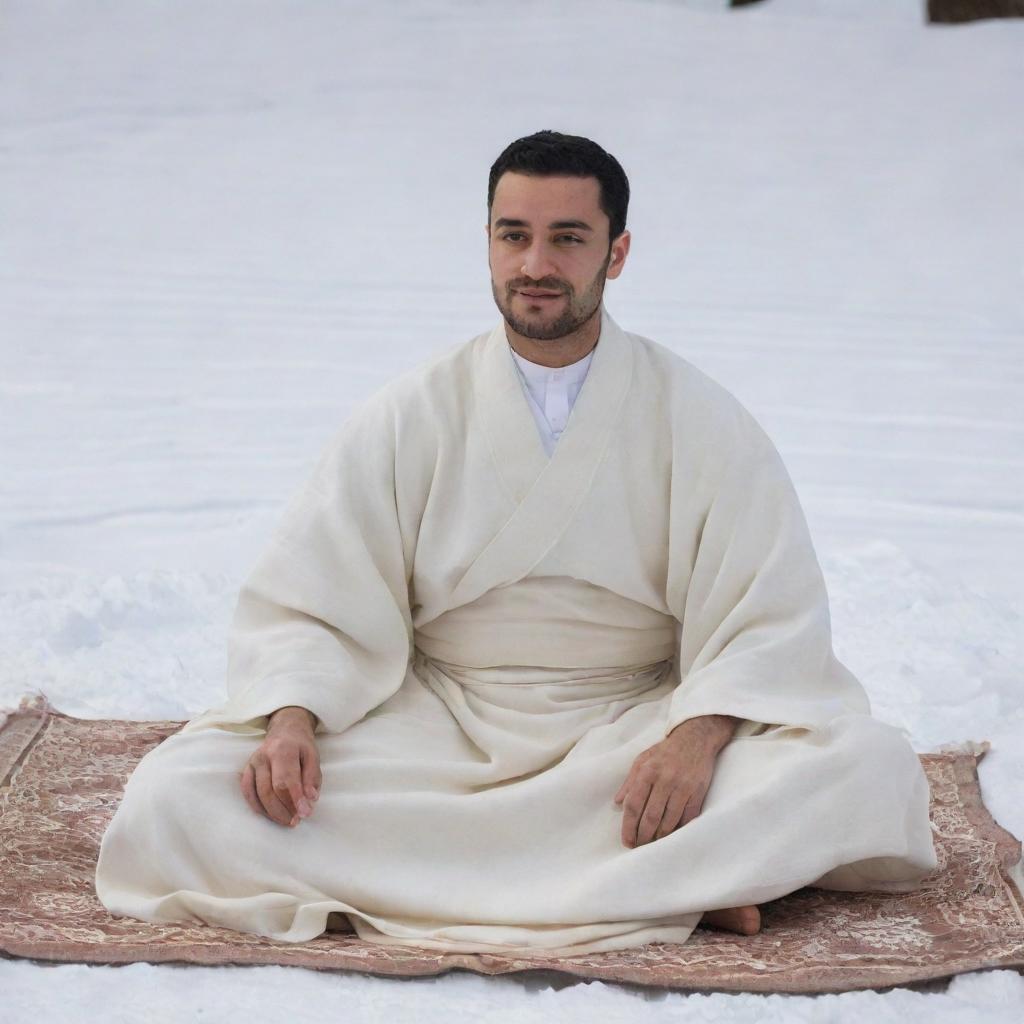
(551, 392)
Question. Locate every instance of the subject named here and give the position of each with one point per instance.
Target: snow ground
(226, 223)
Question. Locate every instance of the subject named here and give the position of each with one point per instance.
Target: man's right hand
(282, 779)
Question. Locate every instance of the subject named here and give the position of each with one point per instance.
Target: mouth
(538, 296)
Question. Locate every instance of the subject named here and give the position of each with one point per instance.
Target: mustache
(538, 286)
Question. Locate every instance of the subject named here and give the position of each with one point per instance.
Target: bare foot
(745, 920)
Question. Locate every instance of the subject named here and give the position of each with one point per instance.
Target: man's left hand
(667, 783)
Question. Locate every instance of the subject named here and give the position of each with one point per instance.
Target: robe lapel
(547, 492)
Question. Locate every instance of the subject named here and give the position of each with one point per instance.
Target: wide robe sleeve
(323, 620)
(755, 635)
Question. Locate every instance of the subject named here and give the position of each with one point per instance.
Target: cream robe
(489, 638)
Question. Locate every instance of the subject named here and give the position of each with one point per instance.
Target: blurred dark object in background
(950, 11)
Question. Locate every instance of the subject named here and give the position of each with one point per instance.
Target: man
(529, 680)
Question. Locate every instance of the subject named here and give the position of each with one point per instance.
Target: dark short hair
(552, 153)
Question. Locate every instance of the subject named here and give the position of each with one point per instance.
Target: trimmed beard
(576, 313)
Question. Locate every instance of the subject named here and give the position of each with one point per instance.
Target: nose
(537, 262)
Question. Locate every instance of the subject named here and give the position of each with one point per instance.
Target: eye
(571, 238)
(508, 235)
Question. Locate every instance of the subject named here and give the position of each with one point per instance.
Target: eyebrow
(508, 222)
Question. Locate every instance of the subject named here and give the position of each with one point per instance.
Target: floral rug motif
(61, 779)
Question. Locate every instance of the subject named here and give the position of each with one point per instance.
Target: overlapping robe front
(489, 638)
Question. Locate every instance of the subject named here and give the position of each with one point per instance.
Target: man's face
(549, 253)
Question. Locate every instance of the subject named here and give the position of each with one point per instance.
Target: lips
(539, 295)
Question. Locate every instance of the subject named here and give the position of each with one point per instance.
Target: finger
(632, 809)
(651, 818)
(256, 801)
(287, 783)
(693, 807)
(311, 778)
(673, 812)
(634, 770)
(307, 764)
(249, 791)
(276, 810)
(695, 804)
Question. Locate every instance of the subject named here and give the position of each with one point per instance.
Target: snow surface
(223, 224)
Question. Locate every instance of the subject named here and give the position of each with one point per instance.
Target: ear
(620, 249)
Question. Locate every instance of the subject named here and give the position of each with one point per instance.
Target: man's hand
(667, 783)
(282, 778)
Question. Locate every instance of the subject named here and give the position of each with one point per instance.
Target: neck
(570, 348)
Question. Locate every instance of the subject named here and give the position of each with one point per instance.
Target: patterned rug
(61, 779)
